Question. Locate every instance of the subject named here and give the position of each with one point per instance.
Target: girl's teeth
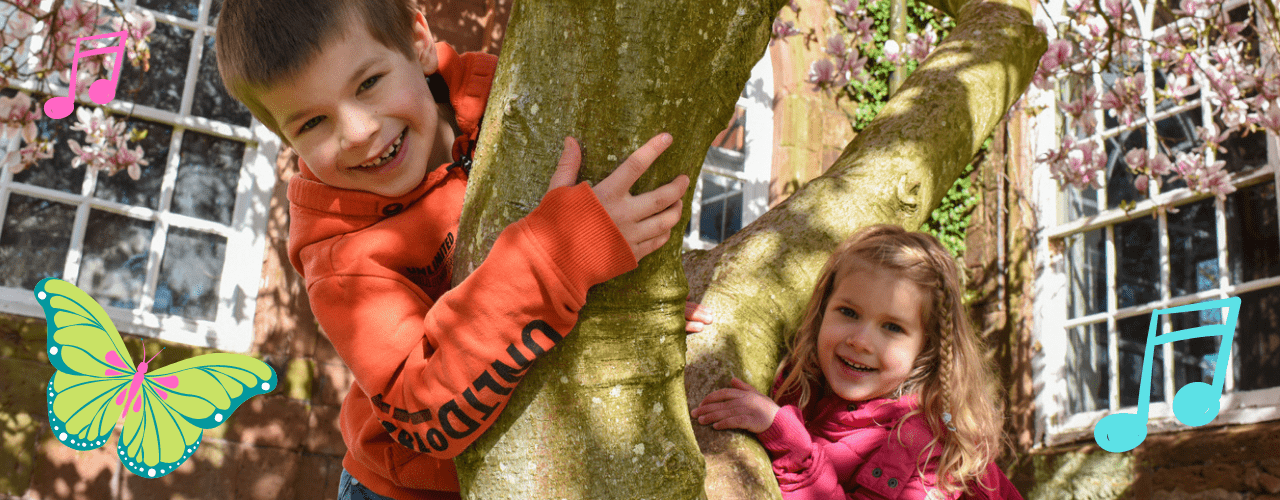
(857, 367)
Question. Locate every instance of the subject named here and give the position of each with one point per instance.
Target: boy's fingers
(635, 165)
(567, 168)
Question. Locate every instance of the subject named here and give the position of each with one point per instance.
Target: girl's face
(872, 331)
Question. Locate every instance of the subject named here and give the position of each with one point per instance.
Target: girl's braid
(946, 334)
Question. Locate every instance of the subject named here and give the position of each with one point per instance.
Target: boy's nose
(359, 126)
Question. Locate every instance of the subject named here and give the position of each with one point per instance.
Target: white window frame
(1050, 334)
(232, 327)
(757, 156)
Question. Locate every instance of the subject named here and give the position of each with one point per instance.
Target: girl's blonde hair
(951, 374)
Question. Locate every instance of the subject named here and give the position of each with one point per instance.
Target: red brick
(1269, 483)
(332, 383)
(63, 473)
(324, 436)
(209, 474)
(269, 421)
(266, 473)
(317, 477)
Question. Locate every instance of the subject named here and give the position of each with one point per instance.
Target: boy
(384, 157)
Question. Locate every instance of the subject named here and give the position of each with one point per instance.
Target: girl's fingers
(743, 385)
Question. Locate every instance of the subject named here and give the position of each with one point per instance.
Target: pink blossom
(836, 46)
(920, 45)
(783, 29)
(892, 52)
(847, 8)
(1081, 166)
(822, 73)
(1270, 118)
(861, 29)
(1059, 51)
(27, 155)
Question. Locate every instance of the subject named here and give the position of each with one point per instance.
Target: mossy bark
(895, 171)
(603, 415)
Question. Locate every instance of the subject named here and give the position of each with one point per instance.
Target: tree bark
(603, 415)
(896, 171)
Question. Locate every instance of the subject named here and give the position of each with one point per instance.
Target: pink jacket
(848, 451)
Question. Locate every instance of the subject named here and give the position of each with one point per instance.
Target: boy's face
(360, 114)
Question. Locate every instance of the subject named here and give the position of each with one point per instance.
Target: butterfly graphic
(165, 411)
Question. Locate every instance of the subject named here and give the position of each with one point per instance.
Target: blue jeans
(350, 489)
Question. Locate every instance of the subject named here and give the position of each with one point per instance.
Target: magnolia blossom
(1077, 164)
(892, 52)
(783, 29)
(106, 145)
(1204, 178)
(27, 155)
(845, 7)
(920, 45)
(18, 117)
(139, 25)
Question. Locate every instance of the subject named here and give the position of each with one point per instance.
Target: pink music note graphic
(1196, 404)
(101, 91)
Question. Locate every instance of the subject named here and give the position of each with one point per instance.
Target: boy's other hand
(696, 317)
(645, 220)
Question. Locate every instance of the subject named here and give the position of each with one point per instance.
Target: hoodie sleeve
(808, 469)
(438, 373)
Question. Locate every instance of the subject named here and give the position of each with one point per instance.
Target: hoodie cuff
(579, 237)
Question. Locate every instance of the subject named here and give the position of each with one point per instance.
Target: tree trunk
(895, 171)
(603, 415)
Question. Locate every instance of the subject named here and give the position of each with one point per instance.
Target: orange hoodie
(434, 366)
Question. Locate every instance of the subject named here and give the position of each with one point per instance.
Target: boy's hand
(644, 220)
(737, 407)
(696, 317)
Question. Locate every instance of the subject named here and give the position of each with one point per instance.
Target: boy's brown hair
(260, 42)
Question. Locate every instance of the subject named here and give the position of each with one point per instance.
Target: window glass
(1137, 262)
(1081, 203)
(1193, 248)
(145, 191)
(1253, 233)
(1245, 151)
(1257, 342)
(721, 213)
(1133, 344)
(34, 240)
(1087, 273)
(114, 265)
(208, 171)
(190, 273)
(1088, 371)
(1120, 179)
(56, 173)
(161, 86)
(211, 98)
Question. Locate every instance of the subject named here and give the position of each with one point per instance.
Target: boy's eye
(370, 82)
(310, 123)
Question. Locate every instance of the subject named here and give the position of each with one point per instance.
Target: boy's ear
(424, 44)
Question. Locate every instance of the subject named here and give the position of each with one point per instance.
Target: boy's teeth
(391, 152)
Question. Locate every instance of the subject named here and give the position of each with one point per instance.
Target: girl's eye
(310, 124)
(847, 312)
(894, 327)
(370, 82)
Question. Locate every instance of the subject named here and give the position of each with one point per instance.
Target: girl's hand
(696, 317)
(737, 407)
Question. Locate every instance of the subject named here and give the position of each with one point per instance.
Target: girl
(885, 392)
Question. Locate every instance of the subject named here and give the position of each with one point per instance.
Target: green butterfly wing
(81, 337)
(183, 399)
(82, 394)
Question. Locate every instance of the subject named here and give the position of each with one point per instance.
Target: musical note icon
(1196, 404)
(101, 91)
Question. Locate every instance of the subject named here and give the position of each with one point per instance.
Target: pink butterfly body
(131, 396)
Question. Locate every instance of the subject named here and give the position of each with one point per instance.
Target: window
(1110, 257)
(733, 189)
(177, 254)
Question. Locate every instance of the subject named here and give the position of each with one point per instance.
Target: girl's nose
(359, 126)
(858, 337)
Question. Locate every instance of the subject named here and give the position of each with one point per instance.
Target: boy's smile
(361, 116)
(871, 332)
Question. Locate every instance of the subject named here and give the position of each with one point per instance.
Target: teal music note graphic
(1196, 404)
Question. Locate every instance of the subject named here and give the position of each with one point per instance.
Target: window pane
(1088, 372)
(1193, 248)
(211, 98)
(208, 172)
(189, 9)
(215, 8)
(114, 266)
(1177, 134)
(1194, 359)
(56, 173)
(1081, 203)
(34, 240)
(1137, 258)
(1253, 233)
(1087, 273)
(721, 214)
(1120, 179)
(1133, 344)
(189, 274)
(1245, 151)
(145, 191)
(1258, 340)
(161, 86)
